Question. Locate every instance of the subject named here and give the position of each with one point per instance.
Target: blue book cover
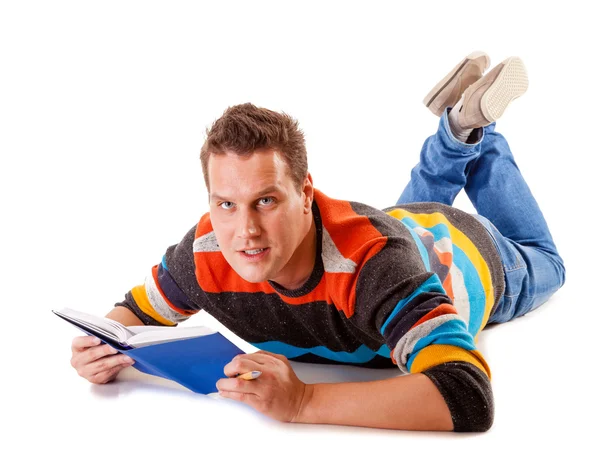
(194, 362)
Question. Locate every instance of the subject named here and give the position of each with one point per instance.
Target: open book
(191, 356)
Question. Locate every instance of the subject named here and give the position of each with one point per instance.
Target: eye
(226, 205)
(270, 201)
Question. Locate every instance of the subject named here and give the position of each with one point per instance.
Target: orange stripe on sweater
(446, 259)
(338, 217)
(214, 274)
(439, 311)
(447, 285)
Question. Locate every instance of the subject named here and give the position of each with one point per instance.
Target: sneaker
(448, 91)
(485, 100)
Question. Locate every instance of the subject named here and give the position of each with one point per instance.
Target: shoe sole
(428, 100)
(511, 83)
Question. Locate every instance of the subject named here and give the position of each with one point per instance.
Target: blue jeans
(533, 269)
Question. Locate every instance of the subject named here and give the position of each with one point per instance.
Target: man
(314, 279)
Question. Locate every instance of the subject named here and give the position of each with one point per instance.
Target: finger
(237, 385)
(262, 358)
(250, 399)
(92, 354)
(103, 364)
(80, 343)
(107, 375)
(275, 355)
(240, 365)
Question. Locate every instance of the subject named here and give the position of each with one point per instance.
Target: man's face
(258, 216)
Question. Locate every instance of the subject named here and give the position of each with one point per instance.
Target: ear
(309, 193)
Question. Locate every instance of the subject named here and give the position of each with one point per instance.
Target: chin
(253, 279)
(251, 276)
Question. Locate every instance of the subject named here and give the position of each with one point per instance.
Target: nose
(248, 226)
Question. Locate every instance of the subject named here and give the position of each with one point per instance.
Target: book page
(107, 326)
(148, 335)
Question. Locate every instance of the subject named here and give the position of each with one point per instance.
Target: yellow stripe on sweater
(141, 299)
(435, 354)
(429, 220)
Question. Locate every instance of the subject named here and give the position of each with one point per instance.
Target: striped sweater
(411, 286)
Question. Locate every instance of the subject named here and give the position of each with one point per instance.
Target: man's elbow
(482, 419)
(468, 394)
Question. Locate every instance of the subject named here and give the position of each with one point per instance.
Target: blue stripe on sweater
(432, 284)
(474, 288)
(439, 231)
(473, 283)
(171, 290)
(361, 355)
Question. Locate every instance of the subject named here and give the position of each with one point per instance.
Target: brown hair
(244, 129)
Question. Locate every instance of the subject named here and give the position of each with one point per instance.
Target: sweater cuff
(467, 392)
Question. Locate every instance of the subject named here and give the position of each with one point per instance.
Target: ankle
(460, 133)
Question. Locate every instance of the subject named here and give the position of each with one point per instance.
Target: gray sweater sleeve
(176, 279)
(409, 308)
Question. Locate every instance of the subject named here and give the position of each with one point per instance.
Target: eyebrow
(260, 194)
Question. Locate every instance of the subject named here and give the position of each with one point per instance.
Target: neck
(302, 261)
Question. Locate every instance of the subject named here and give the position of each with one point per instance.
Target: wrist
(304, 414)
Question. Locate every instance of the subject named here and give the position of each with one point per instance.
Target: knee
(561, 272)
(554, 274)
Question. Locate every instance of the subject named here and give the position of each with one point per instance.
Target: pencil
(249, 375)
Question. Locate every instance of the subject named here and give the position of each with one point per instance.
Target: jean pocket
(514, 279)
(513, 264)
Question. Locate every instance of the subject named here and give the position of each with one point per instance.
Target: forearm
(409, 402)
(124, 316)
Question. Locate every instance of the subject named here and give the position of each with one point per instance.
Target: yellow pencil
(249, 375)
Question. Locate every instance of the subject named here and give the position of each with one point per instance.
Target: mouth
(253, 251)
(254, 254)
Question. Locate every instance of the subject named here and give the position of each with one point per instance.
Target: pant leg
(505, 205)
(442, 169)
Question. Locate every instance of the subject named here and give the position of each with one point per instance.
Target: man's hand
(97, 363)
(277, 393)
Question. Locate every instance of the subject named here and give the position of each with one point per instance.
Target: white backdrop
(103, 108)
